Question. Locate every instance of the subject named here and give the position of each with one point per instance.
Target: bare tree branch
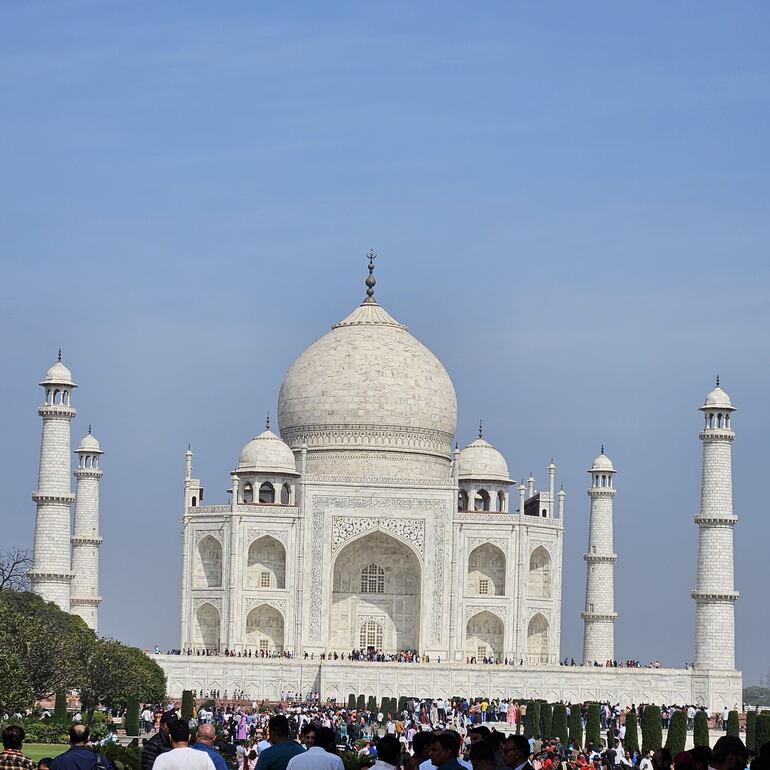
(15, 563)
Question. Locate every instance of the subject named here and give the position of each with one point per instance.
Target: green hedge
(631, 741)
(546, 717)
(575, 726)
(351, 702)
(371, 704)
(186, 710)
(122, 757)
(60, 707)
(732, 724)
(763, 731)
(532, 719)
(132, 717)
(593, 726)
(700, 733)
(677, 732)
(652, 729)
(559, 722)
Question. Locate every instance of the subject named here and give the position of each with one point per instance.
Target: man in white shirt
(181, 756)
(317, 757)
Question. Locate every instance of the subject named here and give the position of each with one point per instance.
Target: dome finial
(602, 452)
(267, 421)
(59, 357)
(481, 429)
(370, 280)
(89, 430)
(717, 380)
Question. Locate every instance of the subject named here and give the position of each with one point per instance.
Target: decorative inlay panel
(252, 602)
(214, 601)
(217, 534)
(346, 527)
(316, 596)
(281, 535)
(475, 542)
(474, 609)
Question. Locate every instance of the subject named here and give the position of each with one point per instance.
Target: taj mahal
(359, 523)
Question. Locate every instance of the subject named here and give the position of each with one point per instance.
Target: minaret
(599, 616)
(85, 535)
(51, 574)
(714, 592)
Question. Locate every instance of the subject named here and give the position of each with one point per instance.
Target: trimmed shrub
(532, 719)
(360, 703)
(700, 732)
(122, 757)
(546, 717)
(351, 702)
(371, 704)
(402, 704)
(60, 707)
(576, 726)
(762, 735)
(593, 726)
(677, 732)
(132, 717)
(186, 710)
(559, 722)
(631, 741)
(652, 729)
(732, 723)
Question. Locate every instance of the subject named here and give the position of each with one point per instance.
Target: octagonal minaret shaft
(599, 615)
(86, 540)
(51, 574)
(714, 592)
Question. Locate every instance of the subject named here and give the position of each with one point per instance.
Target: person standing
(12, 758)
(182, 756)
(79, 756)
(281, 749)
(204, 741)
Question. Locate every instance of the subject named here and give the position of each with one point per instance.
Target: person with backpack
(80, 756)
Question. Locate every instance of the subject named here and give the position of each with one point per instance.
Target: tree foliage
(576, 726)
(47, 650)
(631, 741)
(15, 564)
(559, 722)
(700, 733)
(756, 696)
(593, 726)
(732, 724)
(652, 729)
(677, 732)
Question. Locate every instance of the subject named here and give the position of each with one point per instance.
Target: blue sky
(570, 204)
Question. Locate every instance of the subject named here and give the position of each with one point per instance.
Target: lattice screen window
(371, 635)
(372, 580)
(483, 586)
(264, 580)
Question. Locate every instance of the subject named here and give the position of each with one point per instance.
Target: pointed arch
(207, 626)
(266, 493)
(264, 629)
(537, 639)
(540, 574)
(486, 571)
(462, 500)
(484, 636)
(266, 564)
(208, 563)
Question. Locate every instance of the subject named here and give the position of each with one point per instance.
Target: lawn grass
(37, 751)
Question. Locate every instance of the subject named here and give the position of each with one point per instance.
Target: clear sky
(570, 203)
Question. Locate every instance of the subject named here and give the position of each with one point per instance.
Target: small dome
(718, 399)
(267, 454)
(602, 463)
(89, 445)
(58, 374)
(480, 460)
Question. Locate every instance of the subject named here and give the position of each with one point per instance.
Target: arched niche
(540, 574)
(264, 629)
(208, 563)
(486, 571)
(266, 564)
(484, 636)
(206, 627)
(537, 639)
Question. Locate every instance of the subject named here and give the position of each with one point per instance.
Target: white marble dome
(58, 374)
(602, 463)
(718, 399)
(89, 445)
(481, 461)
(267, 454)
(375, 395)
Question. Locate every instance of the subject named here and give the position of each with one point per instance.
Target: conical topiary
(732, 723)
(559, 722)
(60, 707)
(576, 727)
(546, 716)
(700, 732)
(677, 732)
(652, 729)
(593, 727)
(631, 741)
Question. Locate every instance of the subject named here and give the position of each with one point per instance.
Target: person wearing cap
(160, 743)
(729, 753)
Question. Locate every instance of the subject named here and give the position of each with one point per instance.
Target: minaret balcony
(716, 434)
(726, 597)
(67, 498)
(725, 520)
(56, 410)
(598, 615)
(600, 557)
(86, 540)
